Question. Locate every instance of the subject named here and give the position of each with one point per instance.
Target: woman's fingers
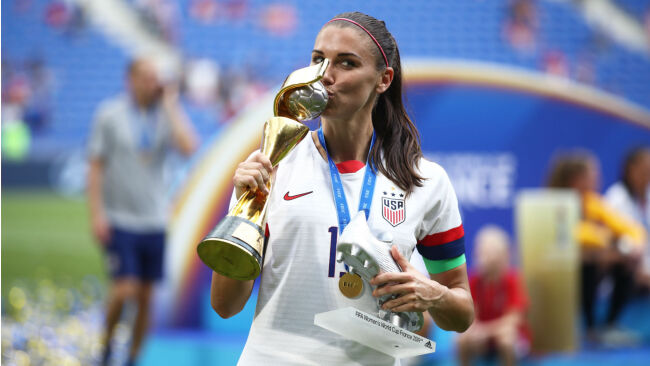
(388, 277)
(253, 174)
(396, 288)
(399, 258)
(264, 160)
(406, 302)
(259, 175)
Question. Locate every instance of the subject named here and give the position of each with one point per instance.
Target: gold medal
(351, 285)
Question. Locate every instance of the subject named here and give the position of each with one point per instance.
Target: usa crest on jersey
(392, 208)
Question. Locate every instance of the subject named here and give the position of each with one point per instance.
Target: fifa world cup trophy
(235, 246)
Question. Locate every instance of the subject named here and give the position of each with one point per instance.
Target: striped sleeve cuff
(445, 245)
(444, 265)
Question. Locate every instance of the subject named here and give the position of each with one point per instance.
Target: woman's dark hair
(632, 157)
(568, 166)
(397, 151)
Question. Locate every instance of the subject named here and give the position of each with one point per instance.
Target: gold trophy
(234, 248)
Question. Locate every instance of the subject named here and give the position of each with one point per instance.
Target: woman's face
(352, 79)
(592, 176)
(588, 179)
(491, 255)
(639, 175)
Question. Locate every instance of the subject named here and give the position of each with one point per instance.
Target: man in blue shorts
(130, 138)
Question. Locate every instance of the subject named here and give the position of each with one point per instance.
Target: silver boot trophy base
(375, 333)
(383, 330)
(367, 256)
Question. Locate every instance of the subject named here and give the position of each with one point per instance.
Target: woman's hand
(253, 174)
(415, 291)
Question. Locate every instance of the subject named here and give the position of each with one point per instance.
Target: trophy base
(233, 249)
(375, 333)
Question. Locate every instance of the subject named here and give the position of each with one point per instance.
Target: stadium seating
(267, 42)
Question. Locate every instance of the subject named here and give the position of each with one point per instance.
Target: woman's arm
(229, 296)
(445, 295)
(454, 309)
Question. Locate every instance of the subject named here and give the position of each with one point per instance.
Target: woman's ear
(385, 79)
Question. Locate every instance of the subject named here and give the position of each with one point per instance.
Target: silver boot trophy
(385, 331)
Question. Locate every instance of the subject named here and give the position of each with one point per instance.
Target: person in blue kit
(130, 139)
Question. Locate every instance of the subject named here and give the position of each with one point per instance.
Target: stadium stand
(261, 42)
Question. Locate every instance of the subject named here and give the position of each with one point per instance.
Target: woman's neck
(348, 140)
(640, 194)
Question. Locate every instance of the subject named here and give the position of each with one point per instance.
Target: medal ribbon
(144, 125)
(367, 188)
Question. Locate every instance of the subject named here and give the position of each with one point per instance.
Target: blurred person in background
(521, 25)
(500, 301)
(630, 196)
(610, 245)
(130, 138)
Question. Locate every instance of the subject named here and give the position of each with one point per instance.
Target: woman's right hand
(253, 174)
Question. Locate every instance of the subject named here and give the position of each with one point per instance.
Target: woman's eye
(317, 59)
(348, 63)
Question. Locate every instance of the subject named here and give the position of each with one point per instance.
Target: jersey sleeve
(442, 238)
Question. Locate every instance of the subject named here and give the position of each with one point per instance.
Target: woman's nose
(328, 76)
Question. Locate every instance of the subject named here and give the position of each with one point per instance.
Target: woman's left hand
(415, 291)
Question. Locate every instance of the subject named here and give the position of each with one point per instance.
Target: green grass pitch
(47, 235)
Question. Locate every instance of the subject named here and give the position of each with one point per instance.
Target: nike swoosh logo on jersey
(287, 197)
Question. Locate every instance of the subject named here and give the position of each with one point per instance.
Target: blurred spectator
(65, 16)
(610, 244)
(279, 19)
(205, 11)
(630, 196)
(16, 140)
(585, 69)
(16, 136)
(27, 89)
(38, 109)
(130, 138)
(201, 81)
(500, 300)
(161, 17)
(555, 63)
(236, 89)
(208, 11)
(520, 29)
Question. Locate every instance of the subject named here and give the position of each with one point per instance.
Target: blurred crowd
(221, 89)
(612, 234)
(27, 103)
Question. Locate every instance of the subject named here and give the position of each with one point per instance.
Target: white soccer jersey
(300, 274)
